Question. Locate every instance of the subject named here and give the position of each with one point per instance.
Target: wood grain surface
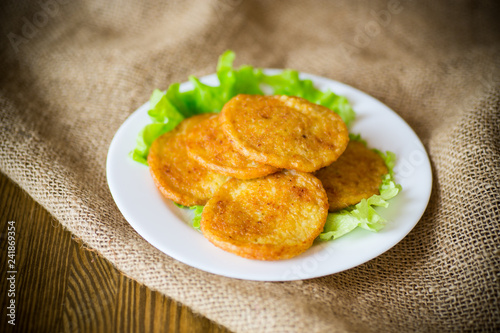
(61, 286)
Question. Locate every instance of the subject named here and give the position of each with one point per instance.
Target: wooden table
(62, 286)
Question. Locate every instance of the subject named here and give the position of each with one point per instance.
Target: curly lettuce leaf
(363, 214)
(357, 137)
(197, 214)
(165, 117)
(289, 83)
(145, 138)
(170, 108)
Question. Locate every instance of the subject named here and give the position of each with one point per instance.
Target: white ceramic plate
(167, 227)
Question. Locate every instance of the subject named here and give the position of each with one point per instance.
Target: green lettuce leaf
(165, 117)
(363, 214)
(356, 137)
(288, 83)
(197, 214)
(170, 108)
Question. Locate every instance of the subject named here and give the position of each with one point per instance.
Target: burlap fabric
(72, 72)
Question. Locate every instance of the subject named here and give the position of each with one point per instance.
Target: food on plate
(269, 218)
(284, 131)
(209, 146)
(270, 213)
(356, 175)
(177, 176)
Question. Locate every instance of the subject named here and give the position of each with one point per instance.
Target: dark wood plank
(63, 287)
(41, 261)
(91, 293)
(146, 311)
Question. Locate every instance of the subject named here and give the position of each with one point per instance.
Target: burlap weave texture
(72, 72)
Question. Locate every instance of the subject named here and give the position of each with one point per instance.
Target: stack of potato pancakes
(268, 169)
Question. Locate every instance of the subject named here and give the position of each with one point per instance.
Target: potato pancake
(209, 146)
(269, 218)
(177, 176)
(356, 175)
(284, 131)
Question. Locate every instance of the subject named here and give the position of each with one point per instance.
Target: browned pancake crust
(177, 176)
(284, 131)
(356, 175)
(269, 218)
(210, 147)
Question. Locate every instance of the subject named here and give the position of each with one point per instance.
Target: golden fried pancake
(177, 176)
(210, 147)
(356, 175)
(269, 218)
(284, 131)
